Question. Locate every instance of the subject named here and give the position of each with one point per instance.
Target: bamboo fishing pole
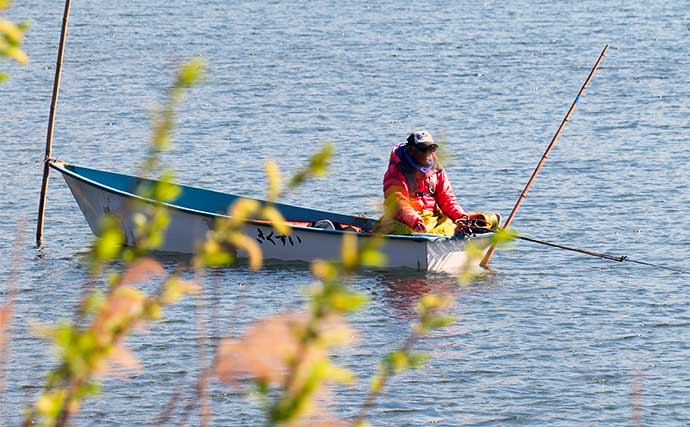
(487, 258)
(51, 123)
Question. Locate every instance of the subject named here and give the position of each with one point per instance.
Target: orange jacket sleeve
(397, 197)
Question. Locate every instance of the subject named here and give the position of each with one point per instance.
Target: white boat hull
(188, 229)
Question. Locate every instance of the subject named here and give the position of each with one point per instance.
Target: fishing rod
(484, 223)
(600, 255)
(487, 257)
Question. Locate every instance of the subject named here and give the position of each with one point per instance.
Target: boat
(316, 234)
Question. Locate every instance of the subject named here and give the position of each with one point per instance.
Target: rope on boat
(601, 255)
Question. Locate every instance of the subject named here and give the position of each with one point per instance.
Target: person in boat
(418, 194)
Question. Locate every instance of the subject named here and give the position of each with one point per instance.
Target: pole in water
(487, 258)
(51, 123)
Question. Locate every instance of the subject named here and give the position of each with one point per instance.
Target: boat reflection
(401, 292)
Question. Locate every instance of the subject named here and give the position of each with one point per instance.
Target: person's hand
(484, 222)
(462, 225)
(419, 227)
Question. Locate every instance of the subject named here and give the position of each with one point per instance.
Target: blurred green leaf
(49, 404)
(339, 374)
(174, 289)
(153, 311)
(262, 387)
(277, 220)
(15, 53)
(318, 164)
(503, 236)
(273, 175)
(324, 270)
(110, 240)
(11, 32)
(440, 322)
(11, 36)
(93, 302)
(214, 255)
(417, 360)
(243, 209)
(397, 361)
(24, 25)
(432, 302)
(371, 257)
(105, 319)
(165, 191)
(347, 302)
(349, 255)
(377, 383)
(88, 389)
(190, 73)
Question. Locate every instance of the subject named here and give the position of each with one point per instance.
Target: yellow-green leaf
(417, 360)
(273, 175)
(317, 165)
(377, 384)
(346, 302)
(243, 209)
(319, 161)
(503, 236)
(439, 322)
(16, 54)
(110, 241)
(323, 270)
(93, 302)
(398, 361)
(277, 220)
(214, 255)
(11, 31)
(153, 311)
(174, 289)
(339, 374)
(349, 251)
(373, 258)
(49, 404)
(434, 302)
(165, 190)
(191, 72)
(249, 246)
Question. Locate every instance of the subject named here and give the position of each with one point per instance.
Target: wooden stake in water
(487, 258)
(51, 122)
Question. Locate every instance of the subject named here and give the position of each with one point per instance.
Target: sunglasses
(425, 148)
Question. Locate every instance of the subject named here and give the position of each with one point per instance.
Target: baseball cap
(421, 138)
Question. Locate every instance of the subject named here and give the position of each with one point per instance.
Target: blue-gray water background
(553, 339)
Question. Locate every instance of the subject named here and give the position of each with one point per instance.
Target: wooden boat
(193, 214)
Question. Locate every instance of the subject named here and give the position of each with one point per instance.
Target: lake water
(552, 339)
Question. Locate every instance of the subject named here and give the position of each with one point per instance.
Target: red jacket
(433, 189)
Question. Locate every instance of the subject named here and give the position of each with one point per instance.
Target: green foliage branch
(11, 38)
(290, 393)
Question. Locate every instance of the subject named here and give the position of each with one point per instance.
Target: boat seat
(325, 224)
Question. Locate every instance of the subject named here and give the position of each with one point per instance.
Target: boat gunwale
(60, 166)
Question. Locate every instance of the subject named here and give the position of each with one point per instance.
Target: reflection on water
(401, 290)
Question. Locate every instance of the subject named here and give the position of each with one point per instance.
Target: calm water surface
(553, 339)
